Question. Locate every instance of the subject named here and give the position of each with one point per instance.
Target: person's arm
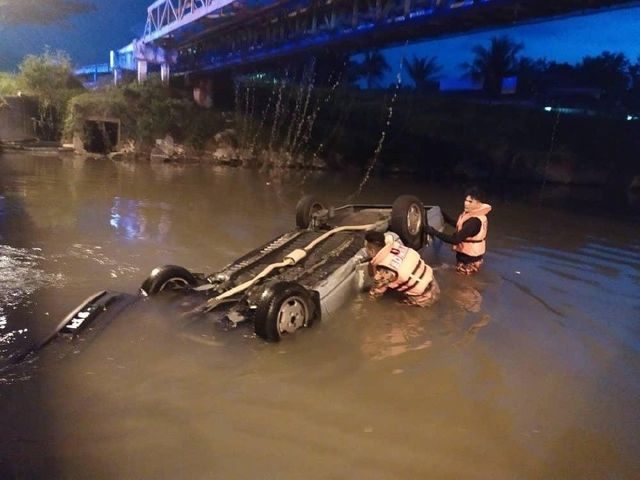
(381, 280)
(469, 228)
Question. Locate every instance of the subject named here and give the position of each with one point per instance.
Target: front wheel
(283, 308)
(407, 220)
(168, 277)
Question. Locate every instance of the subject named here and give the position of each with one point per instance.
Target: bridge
(188, 36)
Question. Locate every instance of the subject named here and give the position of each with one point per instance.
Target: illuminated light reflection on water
(529, 370)
(21, 276)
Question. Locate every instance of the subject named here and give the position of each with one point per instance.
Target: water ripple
(20, 277)
(95, 254)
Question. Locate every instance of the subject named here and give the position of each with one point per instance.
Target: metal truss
(266, 29)
(302, 24)
(166, 16)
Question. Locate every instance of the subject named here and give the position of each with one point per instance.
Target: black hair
(475, 193)
(375, 238)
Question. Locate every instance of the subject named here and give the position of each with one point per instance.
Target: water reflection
(537, 357)
(392, 330)
(21, 276)
(396, 330)
(137, 220)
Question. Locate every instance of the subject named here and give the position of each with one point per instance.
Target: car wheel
(168, 277)
(407, 220)
(283, 308)
(305, 209)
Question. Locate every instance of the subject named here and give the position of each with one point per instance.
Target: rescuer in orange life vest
(400, 268)
(470, 238)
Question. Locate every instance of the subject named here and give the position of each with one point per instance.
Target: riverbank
(432, 137)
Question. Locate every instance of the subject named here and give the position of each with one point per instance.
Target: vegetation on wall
(146, 112)
(48, 78)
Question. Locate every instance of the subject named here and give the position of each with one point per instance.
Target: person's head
(373, 242)
(473, 198)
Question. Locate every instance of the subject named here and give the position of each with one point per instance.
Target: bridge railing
(95, 69)
(166, 16)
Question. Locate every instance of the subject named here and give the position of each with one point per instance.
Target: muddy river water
(530, 370)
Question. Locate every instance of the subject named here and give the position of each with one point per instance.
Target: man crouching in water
(400, 268)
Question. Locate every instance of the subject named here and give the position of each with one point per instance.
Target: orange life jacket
(476, 245)
(413, 275)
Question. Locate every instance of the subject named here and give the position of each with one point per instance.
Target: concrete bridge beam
(142, 71)
(165, 73)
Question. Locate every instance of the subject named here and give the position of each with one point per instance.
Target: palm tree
(373, 67)
(422, 71)
(493, 64)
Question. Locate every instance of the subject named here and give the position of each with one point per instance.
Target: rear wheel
(306, 207)
(168, 277)
(407, 220)
(283, 308)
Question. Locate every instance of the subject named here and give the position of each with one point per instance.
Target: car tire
(283, 308)
(168, 277)
(408, 220)
(305, 209)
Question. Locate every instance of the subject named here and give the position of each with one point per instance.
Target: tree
(422, 71)
(373, 67)
(8, 84)
(41, 12)
(531, 74)
(49, 78)
(633, 99)
(492, 64)
(609, 72)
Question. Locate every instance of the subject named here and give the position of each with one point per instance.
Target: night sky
(89, 37)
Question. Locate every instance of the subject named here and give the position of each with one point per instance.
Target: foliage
(531, 75)
(607, 71)
(146, 112)
(41, 12)
(372, 68)
(492, 64)
(422, 72)
(633, 96)
(8, 84)
(49, 78)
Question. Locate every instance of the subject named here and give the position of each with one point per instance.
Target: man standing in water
(400, 268)
(470, 238)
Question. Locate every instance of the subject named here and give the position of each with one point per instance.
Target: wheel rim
(292, 315)
(414, 219)
(316, 207)
(175, 283)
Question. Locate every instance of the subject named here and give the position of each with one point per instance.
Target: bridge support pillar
(202, 93)
(117, 76)
(165, 72)
(142, 71)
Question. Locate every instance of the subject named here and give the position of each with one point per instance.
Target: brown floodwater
(530, 370)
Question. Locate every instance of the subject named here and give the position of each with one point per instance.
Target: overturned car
(286, 284)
